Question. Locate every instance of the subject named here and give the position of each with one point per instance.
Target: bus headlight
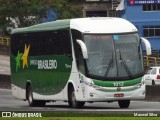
(141, 83)
(91, 84)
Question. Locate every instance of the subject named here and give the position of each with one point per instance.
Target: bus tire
(72, 99)
(40, 103)
(153, 82)
(124, 103)
(31, 101)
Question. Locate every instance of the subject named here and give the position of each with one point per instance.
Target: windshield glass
(114, 56)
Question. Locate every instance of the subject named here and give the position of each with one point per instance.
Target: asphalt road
(4, 65)
(9, 103)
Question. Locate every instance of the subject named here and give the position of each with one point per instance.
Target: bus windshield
(114, 57)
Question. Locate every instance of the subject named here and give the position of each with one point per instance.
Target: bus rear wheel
(31, 101)
(124, 103)
(72, 99)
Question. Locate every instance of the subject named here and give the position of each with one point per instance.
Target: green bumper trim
(110, 83)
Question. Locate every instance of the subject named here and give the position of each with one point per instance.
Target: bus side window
(15, 44)
(78, 52)
(61, 42)
(50, 43)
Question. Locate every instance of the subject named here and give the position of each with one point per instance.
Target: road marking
(5, 62)
(1, 89)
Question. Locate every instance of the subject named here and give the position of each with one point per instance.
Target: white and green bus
(77, 61)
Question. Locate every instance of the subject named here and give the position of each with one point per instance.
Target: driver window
(78, 52)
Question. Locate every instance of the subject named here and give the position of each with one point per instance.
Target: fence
(151, 61)
(4, 45)
(5, 41)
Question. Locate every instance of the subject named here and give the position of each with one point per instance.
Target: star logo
(22, 56)
(18, 60)
(25, 56)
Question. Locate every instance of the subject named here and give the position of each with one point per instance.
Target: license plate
(119, 95)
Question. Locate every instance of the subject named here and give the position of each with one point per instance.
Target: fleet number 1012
(118, 84)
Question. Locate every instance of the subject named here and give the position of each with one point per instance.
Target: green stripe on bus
(110, 83)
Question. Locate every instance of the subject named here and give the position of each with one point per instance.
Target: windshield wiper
(109, 66)
(125, 66)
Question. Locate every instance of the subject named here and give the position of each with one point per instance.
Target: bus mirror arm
(147, 45)
(83, 48)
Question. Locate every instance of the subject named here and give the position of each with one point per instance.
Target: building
(100, 8)
(145, 15)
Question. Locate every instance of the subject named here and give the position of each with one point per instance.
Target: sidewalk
(5, 58)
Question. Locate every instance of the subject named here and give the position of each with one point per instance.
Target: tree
(66, 9)
(20, 9)
(25, 12)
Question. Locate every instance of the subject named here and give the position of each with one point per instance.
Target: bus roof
(55, 25)
(103, 25)
(85, 25)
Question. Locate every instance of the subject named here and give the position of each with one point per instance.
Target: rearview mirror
(83, 48)
(147, 45)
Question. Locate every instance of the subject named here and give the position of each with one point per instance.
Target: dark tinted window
(17, 43)
(151, 31)
(151, 7)
(43, 43)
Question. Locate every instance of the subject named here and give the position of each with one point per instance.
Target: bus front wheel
(72, 99)
(31, 101)
(124, 103)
